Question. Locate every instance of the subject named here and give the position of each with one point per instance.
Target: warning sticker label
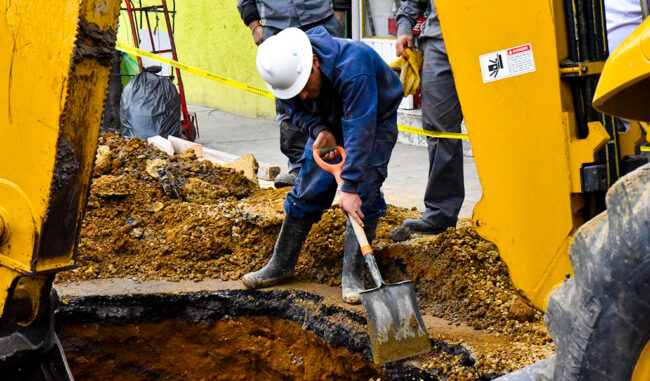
(507, 63)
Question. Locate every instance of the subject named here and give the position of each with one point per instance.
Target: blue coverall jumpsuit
(358, 104)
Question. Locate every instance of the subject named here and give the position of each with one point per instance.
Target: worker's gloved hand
(408, 70)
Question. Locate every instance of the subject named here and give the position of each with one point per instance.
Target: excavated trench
(223, 335)
(182, 222)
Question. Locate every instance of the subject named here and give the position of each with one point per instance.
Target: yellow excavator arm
(53, 82)
(524, 75)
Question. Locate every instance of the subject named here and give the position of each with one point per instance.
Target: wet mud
(203, 221)
(289, 334)
(254, 348)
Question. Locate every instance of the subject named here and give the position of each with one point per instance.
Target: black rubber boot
(287, 179)
(353, 263)
(282, 264)
(420, 226)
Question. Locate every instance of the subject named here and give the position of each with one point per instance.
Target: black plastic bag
(150, 106)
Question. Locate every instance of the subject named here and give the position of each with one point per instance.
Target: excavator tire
(600, 318)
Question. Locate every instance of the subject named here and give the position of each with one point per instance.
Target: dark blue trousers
(315, 189)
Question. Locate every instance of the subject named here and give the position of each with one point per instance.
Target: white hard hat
(284, 62)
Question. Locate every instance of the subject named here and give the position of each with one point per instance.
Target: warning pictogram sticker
(507, 63)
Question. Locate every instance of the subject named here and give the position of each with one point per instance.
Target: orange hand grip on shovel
(334, 169)
(394, 321)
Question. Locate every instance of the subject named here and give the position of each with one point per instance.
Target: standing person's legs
(441, 111)
(332, 24)
(292, 145)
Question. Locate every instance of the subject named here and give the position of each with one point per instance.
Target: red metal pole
(187, 121)
(129, 10)
(153, 45)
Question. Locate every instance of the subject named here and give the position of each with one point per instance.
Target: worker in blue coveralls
(341, 93)
(267, 18)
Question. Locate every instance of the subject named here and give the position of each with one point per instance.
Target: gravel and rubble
(152, 216)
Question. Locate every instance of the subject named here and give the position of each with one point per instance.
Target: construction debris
(247, 165)
(223, 225)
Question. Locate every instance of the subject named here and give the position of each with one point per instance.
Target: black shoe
(351, 282)
(400, 234)
(287, 247)
(419, 226)
(284, 180)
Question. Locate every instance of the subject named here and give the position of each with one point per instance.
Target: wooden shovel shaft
(394, 322)
(366, 250)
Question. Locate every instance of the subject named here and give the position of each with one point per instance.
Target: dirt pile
(255, 348)
(459, 276)
(150, 216)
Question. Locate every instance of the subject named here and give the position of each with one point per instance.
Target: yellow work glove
(415, 61)
(402, 68)
(408, 70)
(397, 64)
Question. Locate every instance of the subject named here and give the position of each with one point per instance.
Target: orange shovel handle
(334, 169)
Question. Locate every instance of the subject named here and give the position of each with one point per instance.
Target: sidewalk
(407, 171)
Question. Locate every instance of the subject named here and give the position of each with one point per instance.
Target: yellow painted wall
(211, 36)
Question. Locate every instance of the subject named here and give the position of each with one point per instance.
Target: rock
(400, 234)
(125, 228)
(247, 164)
(521, 311)
(485, 246)
(137, 232)
(155, 207)
(189, 154)
(110, 186)
(103, 160)
(168, 183)
(161, 170)
(157, 168)
(197, 190)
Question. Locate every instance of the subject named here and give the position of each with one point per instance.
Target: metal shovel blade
(394, 322)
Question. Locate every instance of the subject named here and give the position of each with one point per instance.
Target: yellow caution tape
(433, 134)
(143, 53)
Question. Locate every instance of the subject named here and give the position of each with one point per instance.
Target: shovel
(395, 325)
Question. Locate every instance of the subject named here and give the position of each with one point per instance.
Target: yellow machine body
(53, 81)
(523, 135)
(625, 80)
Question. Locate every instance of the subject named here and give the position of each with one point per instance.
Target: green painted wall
(211, 36)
